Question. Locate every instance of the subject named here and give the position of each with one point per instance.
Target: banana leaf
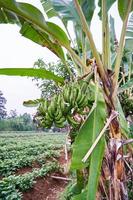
(30, 72)
(84, 140)
(33, 25)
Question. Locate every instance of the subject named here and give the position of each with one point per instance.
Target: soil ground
(47, 188)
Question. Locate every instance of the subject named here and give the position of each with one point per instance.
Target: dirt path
(48, 188)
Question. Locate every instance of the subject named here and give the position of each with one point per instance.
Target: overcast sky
(17, 51)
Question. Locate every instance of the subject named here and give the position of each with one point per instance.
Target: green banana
(53, 104)
(62, 105)
(61, 120)
(72, 121)
(68, 92)
(45, 105)
(84, 87)
(81, 101)
(79, 95)
(50, 113)
(58, 115)
(59, 125)
(48, 118)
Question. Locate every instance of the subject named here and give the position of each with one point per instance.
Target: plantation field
(26, 157)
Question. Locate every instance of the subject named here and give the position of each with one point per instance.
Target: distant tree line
(18, 123)
(14, 122)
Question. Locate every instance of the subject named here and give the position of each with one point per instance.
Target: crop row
(15, 138)
(11, 186)
(22, 146)
(8, 166)
(36, 150)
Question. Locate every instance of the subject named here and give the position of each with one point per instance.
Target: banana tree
(98, 137)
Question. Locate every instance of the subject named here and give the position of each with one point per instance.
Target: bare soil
(48, 188)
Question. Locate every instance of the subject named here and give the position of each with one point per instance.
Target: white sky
(17, 51)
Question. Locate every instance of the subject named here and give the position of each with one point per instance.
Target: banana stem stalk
(120, 51)
(90, 38)
(105, 36)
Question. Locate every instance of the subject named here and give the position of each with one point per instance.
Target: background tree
(3, 112)
(49, 87)
(13, 113)
(17, 123)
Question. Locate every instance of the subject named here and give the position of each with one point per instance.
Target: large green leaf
(122, 8)
(88, 7)
(30, 32)
(84, 140)
(42, 39)
(31, 14)
(30, 72)
(109, 3)
(129, 31)
(129, 35)
(66, 10)
(8, 17)
(88, 133)
(48, 8)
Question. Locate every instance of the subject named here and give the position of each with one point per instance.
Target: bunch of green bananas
(61, 108)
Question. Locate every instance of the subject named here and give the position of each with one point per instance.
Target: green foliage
(8, 191)
(3, 113)
(109, 3)
(122, 7)
(49, 87)
(85, 139)
(17, 123)
(88, 133)
(30, 72)
(19, 150)
(28, 13)
(23, 182)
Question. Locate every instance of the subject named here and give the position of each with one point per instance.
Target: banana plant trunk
(115, 157)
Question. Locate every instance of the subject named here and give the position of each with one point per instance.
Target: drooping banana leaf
(122, 8)
(48, 8)
(42, 39)
(33, 103)
(66, 9)
(24, 13)
(30, 72)
(109, 3)
(129, 35)
(84, 140)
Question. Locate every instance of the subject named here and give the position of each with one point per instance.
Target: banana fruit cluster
(61, 108)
